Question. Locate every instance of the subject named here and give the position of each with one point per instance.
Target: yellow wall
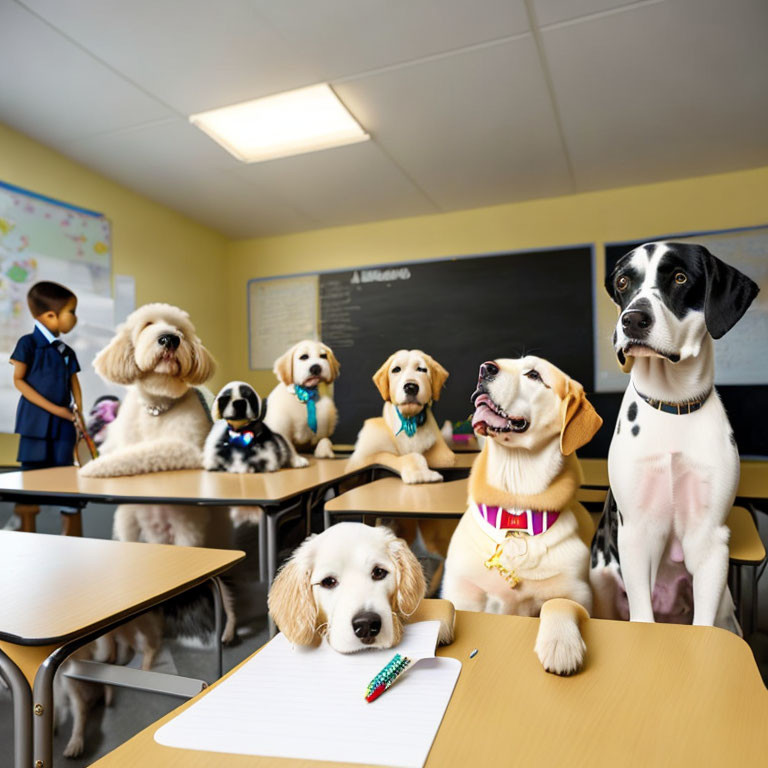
(172, 258)
(709, 202)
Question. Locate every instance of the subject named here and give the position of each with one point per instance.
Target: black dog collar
(678, 409)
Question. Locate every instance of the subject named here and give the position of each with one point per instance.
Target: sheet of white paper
(292, 702)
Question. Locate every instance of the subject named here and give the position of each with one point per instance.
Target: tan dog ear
(284, 367)
(437, 375)
(116, 362)
(291, 601)
(333, 362)
(202, 366)
(579, 419)
(381, 379)
(411, 585)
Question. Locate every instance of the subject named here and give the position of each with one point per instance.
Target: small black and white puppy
(661, 550)
(239, 440)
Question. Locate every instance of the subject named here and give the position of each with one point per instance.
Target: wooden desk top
(753, 483)
(56, 588)
(649, 695)
(183, 487)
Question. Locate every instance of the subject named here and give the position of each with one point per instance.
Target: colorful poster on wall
(45, 239)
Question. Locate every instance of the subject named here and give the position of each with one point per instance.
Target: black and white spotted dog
(239, 440)
(661, 549)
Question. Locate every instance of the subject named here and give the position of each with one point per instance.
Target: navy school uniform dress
(46, 440)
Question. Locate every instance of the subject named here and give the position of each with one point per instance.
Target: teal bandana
(308, 396)
(409, 424)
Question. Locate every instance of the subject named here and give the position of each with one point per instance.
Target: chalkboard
(462, 311)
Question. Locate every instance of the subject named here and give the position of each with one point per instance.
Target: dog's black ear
(728, 295)
(263, 412)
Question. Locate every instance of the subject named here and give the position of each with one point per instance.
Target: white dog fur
(158, 356)
(411, 456)
(673, 476)
(534, 417)
(287, 415)
(348, 571)
(158, 377)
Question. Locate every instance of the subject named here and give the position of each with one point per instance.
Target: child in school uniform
(45, 372)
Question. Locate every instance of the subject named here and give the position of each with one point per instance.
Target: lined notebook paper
(293, 702)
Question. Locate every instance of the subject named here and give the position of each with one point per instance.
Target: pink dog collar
(530, 521)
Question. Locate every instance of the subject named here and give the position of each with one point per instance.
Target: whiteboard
(741, 356)
(46, 239)
(281, 312)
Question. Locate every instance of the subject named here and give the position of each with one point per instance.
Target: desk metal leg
(42, 725)
(218, 614)
(22, 712)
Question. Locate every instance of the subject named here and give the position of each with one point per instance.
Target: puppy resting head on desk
(353, 584)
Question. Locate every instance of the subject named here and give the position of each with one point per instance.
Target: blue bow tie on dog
(409, 424)
(308, 396)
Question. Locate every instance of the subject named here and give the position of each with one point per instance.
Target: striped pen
(387, 676)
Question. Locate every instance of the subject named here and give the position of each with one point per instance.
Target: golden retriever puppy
(517, 547)
(353, 584)
(301, 406)
(163, 421)
(409, 382)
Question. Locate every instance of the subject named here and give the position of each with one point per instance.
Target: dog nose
(488, 370)
(239, 407)
(170, 340)
(636, 323)
(366, 625)
(315, 369)
(410, 388)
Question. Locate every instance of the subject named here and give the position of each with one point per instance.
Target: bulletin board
(46, 239)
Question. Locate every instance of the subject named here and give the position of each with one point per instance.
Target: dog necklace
(409, 424)
(154, 409)
(308, 396)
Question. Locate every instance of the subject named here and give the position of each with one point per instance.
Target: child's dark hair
(48, 297)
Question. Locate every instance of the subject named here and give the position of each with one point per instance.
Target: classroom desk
(61, 592)
(753, 482)
(649, 695)
(289, 492)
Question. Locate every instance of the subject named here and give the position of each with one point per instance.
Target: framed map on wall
(46, 239)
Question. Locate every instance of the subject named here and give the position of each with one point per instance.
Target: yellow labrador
(517, 549)
(301, 406)
(409, 382)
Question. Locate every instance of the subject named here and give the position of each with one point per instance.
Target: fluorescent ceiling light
(289, 123)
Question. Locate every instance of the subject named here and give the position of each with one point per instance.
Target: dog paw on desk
(161, 456)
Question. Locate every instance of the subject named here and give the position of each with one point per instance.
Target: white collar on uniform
(48, 335)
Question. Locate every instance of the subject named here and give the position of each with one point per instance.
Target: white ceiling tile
(663, 91)
(471, 129)
(554, 11)
(197, 55)
(345, 185)
(346, 37)
(54, 91)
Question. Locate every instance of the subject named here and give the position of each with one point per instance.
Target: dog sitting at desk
(517, 548)
(301, 406)
(354, 585)
(240, 441)
(408, 382)
(661, 549)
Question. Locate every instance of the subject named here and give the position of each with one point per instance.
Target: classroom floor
(134, 710)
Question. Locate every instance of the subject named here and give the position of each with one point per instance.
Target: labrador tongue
(485, 415)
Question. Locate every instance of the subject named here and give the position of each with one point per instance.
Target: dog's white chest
(683, 466)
